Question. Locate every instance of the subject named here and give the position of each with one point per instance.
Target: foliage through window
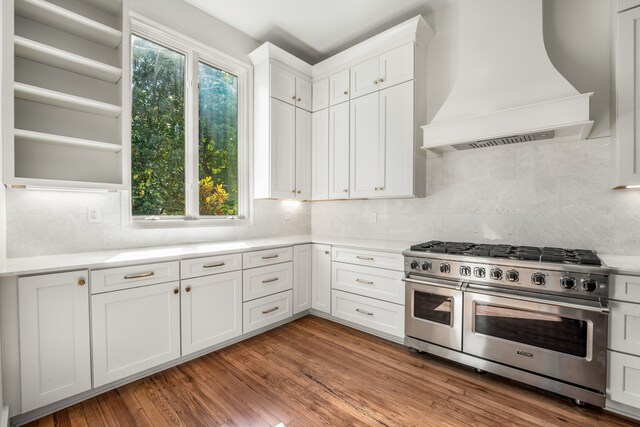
(184, 161)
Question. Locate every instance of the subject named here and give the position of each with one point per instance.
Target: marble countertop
(622, 264)
(121, 257)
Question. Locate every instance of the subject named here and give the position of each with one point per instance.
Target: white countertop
(622, 264)
(116, 258)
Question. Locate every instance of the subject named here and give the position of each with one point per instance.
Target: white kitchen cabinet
(321, 278)
(386, 285)
(320, 155)
(134, 330)
(339, 87)
(623, 384)
(263, 281)
(389, 69)
(627, 92)
(366, 152)
(119, 278)
(283, 84)
(283, 150)
(378, 315)
(267, 257)
(266, 311)
(303, 94)
(320, 96)
(339, 151)
(190, 268)
(624, 327)
(55, 356)
(211, 310)
(301, 278)
(364, 77)
(388, 260)
(303, 155)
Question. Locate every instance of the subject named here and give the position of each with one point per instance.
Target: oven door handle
(432, 282)
(589, 305)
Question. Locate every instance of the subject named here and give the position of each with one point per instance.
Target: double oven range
(536, 315)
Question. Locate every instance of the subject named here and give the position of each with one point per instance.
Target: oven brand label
(524, 353)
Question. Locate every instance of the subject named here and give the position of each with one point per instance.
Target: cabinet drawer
(371, 282)
(379, 315)
(625, 288)
(623, 379)
(624, 327)
(113, 279)
(267, 257)
(386, 260)
(190, 268)
(266, 311)
(263, 281)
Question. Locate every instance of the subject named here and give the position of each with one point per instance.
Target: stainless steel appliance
(536, 315)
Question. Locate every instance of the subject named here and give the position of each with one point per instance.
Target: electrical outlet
(374, 217)
(93, 214)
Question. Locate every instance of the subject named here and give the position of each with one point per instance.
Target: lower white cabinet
(301, 278)
(321, 278)
(266, 311)
(211, 310)
(263, 281)
(624, 379)
(624, 328)
(134, 330)
(55, 356)
(374, 314)
(386, 285)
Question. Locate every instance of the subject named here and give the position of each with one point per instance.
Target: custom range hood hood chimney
(507, 90)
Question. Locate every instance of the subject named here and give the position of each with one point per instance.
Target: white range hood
(507, 90)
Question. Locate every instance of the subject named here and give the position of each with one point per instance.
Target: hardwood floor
(315, 372)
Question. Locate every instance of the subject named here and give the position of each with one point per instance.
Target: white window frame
(195, 52)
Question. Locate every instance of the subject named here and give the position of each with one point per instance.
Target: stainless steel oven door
(434, 311)
(555, 337)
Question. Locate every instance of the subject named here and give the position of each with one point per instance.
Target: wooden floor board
(315, 372)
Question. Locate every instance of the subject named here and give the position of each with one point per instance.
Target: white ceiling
(314, 30)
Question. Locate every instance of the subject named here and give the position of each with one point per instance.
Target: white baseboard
(4, 417)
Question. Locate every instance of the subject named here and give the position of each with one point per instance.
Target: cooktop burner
(526, 253)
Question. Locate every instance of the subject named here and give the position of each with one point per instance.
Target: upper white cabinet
(303, 93)
(303, 154)
(320, 95)
(283, 151)
(55, 355)
(339, 151)
(390, 68)
(289, 87)
(365, 77)
(320, 155)
(339, 87)
(627, 92)
(367, 154)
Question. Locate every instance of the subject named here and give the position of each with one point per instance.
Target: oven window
(542, 330)
(435, 308)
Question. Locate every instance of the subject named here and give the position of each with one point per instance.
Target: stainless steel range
(536, 315)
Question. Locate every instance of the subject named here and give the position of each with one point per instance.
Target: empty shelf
(39, 52)
(47, 138)
(59, 99)
(70, 22)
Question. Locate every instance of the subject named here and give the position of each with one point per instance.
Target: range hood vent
(507, 91)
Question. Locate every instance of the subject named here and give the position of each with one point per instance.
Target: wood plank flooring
(315, 372)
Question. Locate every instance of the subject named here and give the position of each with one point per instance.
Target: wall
(545, 193)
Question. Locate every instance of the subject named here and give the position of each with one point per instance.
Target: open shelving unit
(60, 139)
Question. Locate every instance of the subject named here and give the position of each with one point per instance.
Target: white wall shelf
(70, 22)
(39, 52)
(47, 138)
(59, 99)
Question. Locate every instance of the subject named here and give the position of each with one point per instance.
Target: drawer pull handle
(271, 310)
(270, 256)
(368, 313)
(366, 258)
(139, 275)
(218, 264)
(366, 282)
(275, 279)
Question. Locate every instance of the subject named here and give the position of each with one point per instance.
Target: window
(188, 136)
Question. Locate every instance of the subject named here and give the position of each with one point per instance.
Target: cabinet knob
(293, 97)
(375, 82)
(345, 191)
(299, 191)
(176, 291)
(346, 92)
(327, 252)
(82, 282)
(293, 191)
(299, 99)
(188, 289)
(381, 80)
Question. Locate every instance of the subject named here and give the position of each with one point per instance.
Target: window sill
(191, 223)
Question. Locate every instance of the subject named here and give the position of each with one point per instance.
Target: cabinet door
(364, 77)
(623, 379)
(367, 154)
(283, 84)
(624, 327)
(303, 94)
(320, 96)
(320, 155)
(397, 140)
(321, 278)
(301, 278)
(339, 151)
(339, 87)
(303, 155)
(628, 96)
(396, 66)
(211, 310)
(283, 150)
(55, 349)
(134, 330)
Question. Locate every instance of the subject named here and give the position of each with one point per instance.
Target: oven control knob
(568, 282)
(495, 274)
(538, 279)
(426, 266)
(445, 268)
(479, 272)
(512, 276)
(465, 270)
(415, 265)
(589, 285)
